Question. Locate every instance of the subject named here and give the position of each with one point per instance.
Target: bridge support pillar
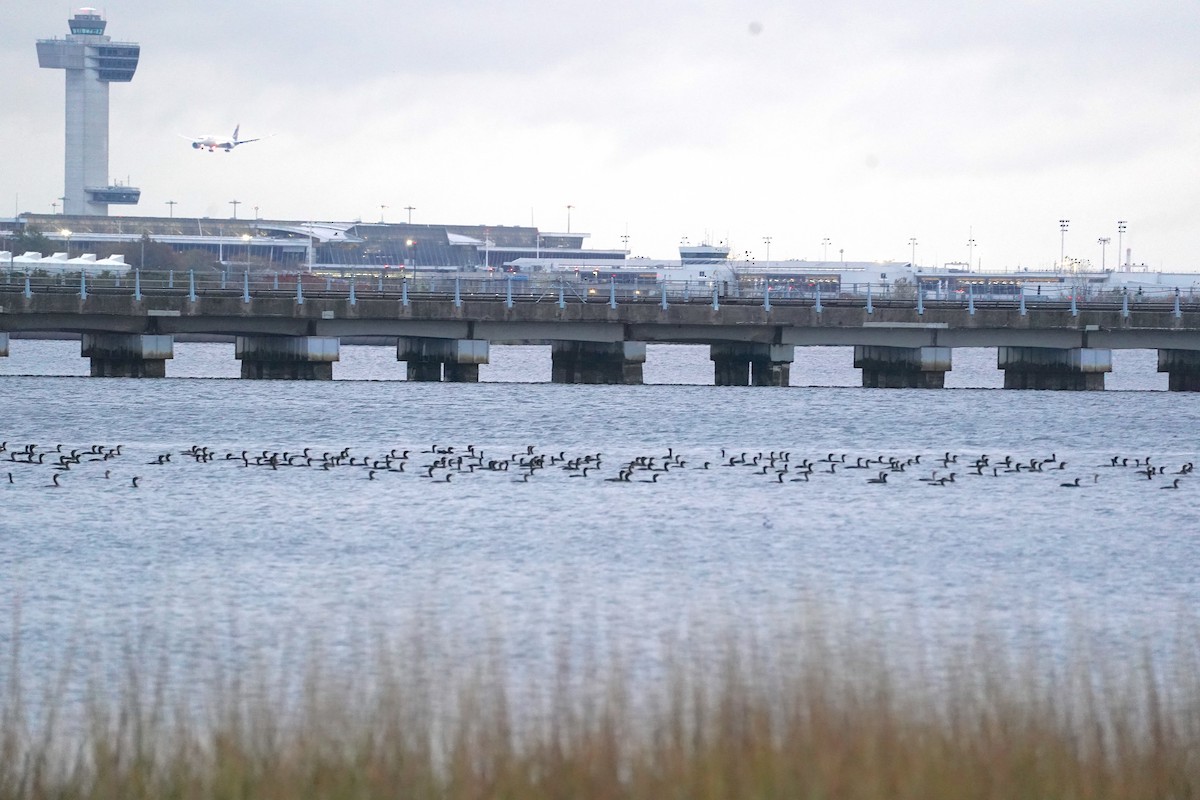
(902, 367)
(428, 358)
(127, 355)
(1182, 368)
(289, 358)
(597, 362)
(751, 364)
(1075, 369)
(3, 345)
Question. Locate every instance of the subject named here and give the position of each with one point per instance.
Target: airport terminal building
(294, 245)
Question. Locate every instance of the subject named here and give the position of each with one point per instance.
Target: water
(232, 560)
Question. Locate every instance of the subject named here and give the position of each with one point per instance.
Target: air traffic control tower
(92, 61)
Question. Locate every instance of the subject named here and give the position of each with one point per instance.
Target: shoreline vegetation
(812, 715)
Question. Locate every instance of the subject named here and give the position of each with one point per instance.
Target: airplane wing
(257, 139)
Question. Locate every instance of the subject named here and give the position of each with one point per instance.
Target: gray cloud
(867, 121)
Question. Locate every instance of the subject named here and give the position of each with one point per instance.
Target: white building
(59, 263)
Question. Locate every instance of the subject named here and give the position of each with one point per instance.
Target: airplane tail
(236, 128)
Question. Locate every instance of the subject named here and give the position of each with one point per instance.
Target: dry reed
(805, 716)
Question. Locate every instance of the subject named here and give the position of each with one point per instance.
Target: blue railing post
(171, 279)
(328, 284)
(191, 285)
(767, 298)
(817, 305)
(716, 299)
(612, 292)
(1178, 311)
(222, 279)
(246, 286)
(971, 299)
(404, 292)
(920, 301)
(299, 290)
(28, 291)
(870, 306)
(137, 285)
(353, 298)
(457, 293)
(82, 285)
(381, 283)
(1124, 304)
(1022, 288)
(275, 282)
(562, 300)
(508, 301)
(662, 294)
(1074, 307)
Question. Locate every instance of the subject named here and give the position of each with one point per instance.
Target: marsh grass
(751, 716)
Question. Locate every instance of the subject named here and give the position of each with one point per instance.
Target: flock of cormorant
(29, 464)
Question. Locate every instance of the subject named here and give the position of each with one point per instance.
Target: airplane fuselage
(213, 143)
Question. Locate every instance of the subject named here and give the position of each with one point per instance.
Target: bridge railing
(570, 289)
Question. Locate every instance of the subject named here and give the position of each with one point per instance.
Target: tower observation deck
(91, 61)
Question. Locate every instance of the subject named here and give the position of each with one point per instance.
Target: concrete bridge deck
(898, 342)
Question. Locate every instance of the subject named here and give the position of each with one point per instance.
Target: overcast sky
(866, 123)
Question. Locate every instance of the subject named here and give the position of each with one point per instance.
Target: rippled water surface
(200, 542)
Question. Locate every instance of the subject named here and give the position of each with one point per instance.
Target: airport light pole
(1121, 224)
(235, 204)
(381, 210)
(171, 209)
(767, 242)
(1063, 224)
(912, 241)
(970, 254)
(410, 209)
(1103, 242)
(569, 207)
(825, 249)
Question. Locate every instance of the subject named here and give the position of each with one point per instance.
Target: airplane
(214, 143)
